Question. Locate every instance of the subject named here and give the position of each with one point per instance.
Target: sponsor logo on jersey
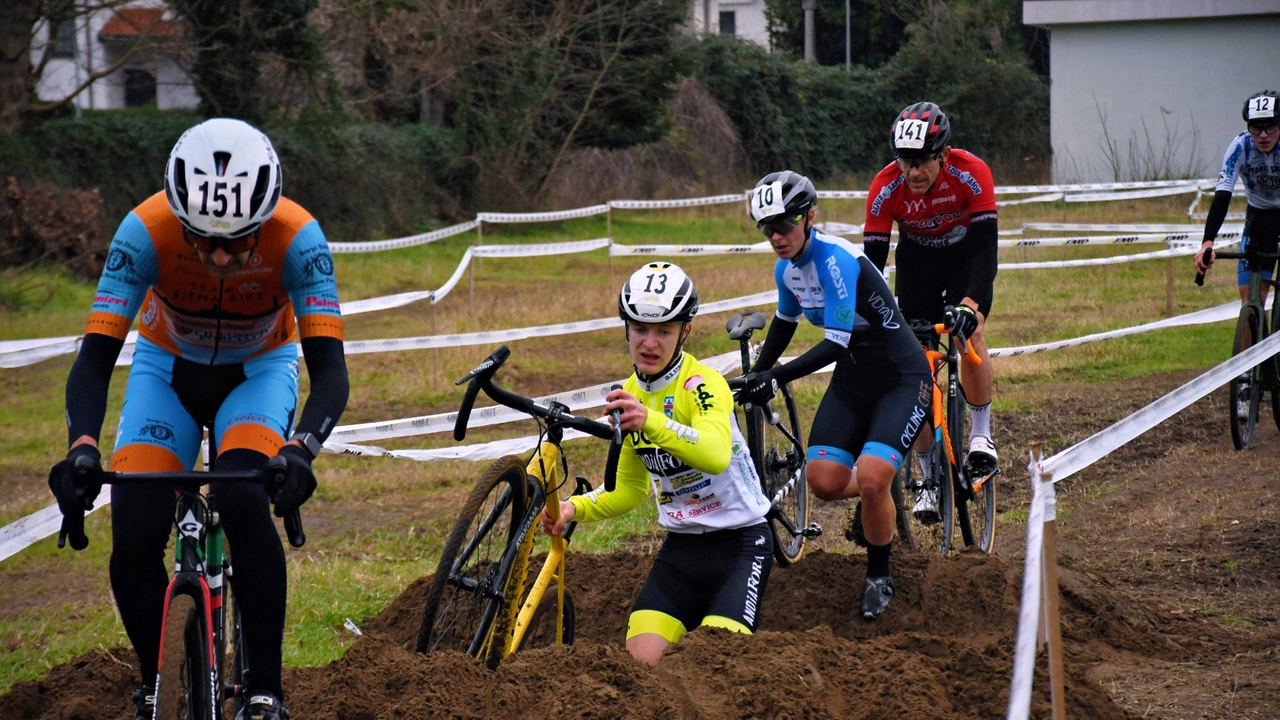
(940, 200)
(837, 279)
(884, 194)
(753, 589)
(885, 309)
(705, 509)
(911, 207)
(965, 178)
(660, 462)
(693, 382)
(669, 406)
(703, 397)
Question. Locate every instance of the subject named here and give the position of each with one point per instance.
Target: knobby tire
(462, 599)
(184, 665)
(1248, 328)
(493, 647)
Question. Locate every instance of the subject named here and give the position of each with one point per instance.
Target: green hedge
(828, 123)
(363, 181)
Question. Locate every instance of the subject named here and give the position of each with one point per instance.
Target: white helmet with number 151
(223, 179)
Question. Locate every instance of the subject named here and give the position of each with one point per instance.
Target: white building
(1144, 89)
(743, 19)
(134, 45)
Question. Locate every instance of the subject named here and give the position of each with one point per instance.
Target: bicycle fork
(545, 468)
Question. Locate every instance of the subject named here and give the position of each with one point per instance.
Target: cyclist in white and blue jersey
(1254, 157)
(881, 389)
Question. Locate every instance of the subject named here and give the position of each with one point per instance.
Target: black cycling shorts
(861, 414)
(705, 579)
(928, 279)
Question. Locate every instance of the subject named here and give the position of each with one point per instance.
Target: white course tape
(842, 194)
(1225, 311)
(1179, 251)
(24, 532)
(396, 243)
(1051, 197)
(560, 248)
(1121, 228)
(1029, 612)
(1130, 194)
(1083, 454)
(553, 216)
(674, 250)
(1081, 187)
(681, 203)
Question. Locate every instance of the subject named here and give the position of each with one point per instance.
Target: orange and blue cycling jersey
(963, 193)
(189, 312)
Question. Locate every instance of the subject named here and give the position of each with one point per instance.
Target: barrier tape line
(1027, 643)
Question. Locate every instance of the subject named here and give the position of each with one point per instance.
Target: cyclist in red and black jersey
(943, 200)
(225, 276)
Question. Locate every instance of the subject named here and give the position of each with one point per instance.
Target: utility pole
(810, 42)
(848, 45)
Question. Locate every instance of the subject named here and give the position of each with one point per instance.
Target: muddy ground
(1170, 578)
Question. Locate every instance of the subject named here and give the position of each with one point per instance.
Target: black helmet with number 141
(920, 131)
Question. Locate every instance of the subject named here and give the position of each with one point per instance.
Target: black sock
(878, 560)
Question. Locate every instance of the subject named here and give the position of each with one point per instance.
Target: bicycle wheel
(184, 664)
(777, 451)
(975, 508)
(463, 599)
(934, 528)
(901, 508)
(1272, 367)
(1245, 390)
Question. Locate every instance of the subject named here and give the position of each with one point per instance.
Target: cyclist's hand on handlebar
(550, 527)
(634, 413)
(1204, 258)
(758, 388)
(963, 321)
(298, 481)
(76, 481)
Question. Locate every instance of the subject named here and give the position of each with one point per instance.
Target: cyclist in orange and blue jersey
(944, 202)
(217, 266)
(683, 441)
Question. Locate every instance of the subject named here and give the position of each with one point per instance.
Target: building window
(62, 34)
(728, 22)
(139, 88)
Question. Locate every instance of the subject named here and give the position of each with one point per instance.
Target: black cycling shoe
(855, 534)
(876, 597)
(144, 700)
(263, 706)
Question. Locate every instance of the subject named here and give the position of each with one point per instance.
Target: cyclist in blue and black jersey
(1254, 157)
(880, 392)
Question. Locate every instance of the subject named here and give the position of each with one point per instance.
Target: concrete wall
(1140, 100)
(749, 20)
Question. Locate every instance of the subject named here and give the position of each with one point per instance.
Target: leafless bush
(41, 223)
(701, 155)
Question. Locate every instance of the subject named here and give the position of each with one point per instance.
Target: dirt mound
(941, 651)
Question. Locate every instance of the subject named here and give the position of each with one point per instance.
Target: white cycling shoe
(982, 452)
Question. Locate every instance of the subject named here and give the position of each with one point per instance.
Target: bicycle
(965, 495)
(778, 454)
(1245, 391)
(478, 601)
(194, 680)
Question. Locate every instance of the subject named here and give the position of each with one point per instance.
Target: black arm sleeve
(982, 277)
(87, 385)
(327, 368)
(775, 343)
(876, 248)
(1217, 213)
(813, 360)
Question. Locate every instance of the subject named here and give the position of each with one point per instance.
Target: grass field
(376, 524)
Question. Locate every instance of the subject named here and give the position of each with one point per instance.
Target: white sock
(979, 421)
(927, 459)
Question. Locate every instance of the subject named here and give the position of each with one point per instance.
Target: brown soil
(1169, 579)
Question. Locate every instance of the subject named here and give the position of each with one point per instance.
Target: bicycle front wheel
(928, 507)
(184, 664)
(777, 451)
(975, 506)
(466, 592)
(237, 663)
(1245, 390)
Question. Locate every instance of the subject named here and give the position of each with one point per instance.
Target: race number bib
(1262, 108)
(766, 201)
(910, 134)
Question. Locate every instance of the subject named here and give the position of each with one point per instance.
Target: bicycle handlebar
(556, 414)
(1248, 255)
(273, 473)
(925, 331)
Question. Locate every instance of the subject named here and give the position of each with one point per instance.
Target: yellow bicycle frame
(545, 467)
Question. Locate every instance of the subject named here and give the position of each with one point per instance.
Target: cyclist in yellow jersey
(683, 441)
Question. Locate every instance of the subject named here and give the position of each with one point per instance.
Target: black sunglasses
(231, 246)
(780, 225)
(1263, 128)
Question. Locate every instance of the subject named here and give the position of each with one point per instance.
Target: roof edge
(1075, 12)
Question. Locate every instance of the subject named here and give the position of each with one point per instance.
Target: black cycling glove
(758, 388)
(298, 482)
(964, 321)
(76, 481)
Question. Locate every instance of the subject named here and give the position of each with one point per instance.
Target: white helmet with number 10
(223, 179)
